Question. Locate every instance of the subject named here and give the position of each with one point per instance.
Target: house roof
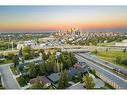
(82, 68)
(54, 77)
(72, 71)
(42, 79)
(77, 65)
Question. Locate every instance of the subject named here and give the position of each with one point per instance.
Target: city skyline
(51, 18)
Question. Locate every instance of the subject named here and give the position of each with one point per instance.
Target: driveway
(8, 79)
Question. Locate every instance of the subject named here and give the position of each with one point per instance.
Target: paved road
(120, 81)
(9, 81)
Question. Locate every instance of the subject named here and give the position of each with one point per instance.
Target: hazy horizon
(54, 18)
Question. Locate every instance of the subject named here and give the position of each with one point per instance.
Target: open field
(105, 44)
(111, 56)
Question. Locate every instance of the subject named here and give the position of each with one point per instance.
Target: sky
(54, 18)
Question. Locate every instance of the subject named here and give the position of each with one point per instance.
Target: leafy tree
(32, 70)
(93, 72)
(55, 67)
(44, 56)
(28, 53)
(118, 60)
(15, 60)
(124, 50)
(49, 67)
(88, 81)
(106, 49)
(79, 76)
(43, 68)
(124, 61)
(20, 52)
(27, 56)
(52, 58)
(23, 60)
(26, 49)
(73, 58)
(61, 67)
(58, 50)
(38, 84)
(41, 51)
(10, 55)
(63, 81)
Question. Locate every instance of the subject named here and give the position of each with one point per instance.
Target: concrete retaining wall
(107, 80)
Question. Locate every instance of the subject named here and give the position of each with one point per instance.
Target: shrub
(10, 55)
(124, 61)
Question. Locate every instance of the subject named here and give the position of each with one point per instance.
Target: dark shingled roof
(72, 71)
(82, 68)
(54, 77)
(42, 79)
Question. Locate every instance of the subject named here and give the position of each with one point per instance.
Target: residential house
(42, 79)
(54, 77)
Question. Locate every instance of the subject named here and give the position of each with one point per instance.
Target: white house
(30, 43)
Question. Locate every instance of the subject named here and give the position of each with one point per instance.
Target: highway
(122, 83)
(105, 63)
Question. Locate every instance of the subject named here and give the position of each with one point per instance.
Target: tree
(124, 61)
(88, 81)
(124, 50)
(43, 68)
(26, 49)
(38, 84)
(23, 60)
(20, 52)
(118, 60)
(49, 67)
(27, 56)
(55, 67)
(10, 55)
(28, 53)
(44, 56)
(93, 72)
(68, 59)
(63, 81)
(52, 58)
(79, 76)
(15, 60)
(106, 49)
(41, 51)
(61, 67)
(73, 58)
(32, 70)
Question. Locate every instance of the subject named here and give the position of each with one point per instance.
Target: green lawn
(21, 80)
(105, 44)
(111, 56)
(14, 70)
(5, 61)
